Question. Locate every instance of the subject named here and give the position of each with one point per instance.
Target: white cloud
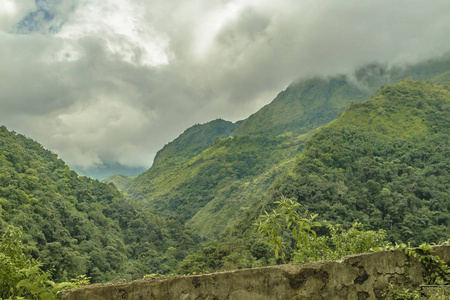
(121, 25)
(12, 12)
(97, 131)
(119, 79)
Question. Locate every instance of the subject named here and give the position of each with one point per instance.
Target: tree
(22, 277)
(286, 217)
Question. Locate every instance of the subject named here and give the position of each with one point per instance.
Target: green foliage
(178, 152)
(384, 163)
(286, 217)
(227, 255)
(340, 242)
(397, 293)
(213, 184)
(22, 277)
(394, 293)
(436, 273)
(208, 190)
(314, 102)
(119, 181)
(308, 246)
(80, 226)
(443, 79)
(303, 106)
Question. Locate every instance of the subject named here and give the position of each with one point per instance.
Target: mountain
(119, 181)
(207, 177)
(310, 103)
(107, 170)
(178, 152)
(211, 183)
(443, 80)
(385, 163)
(303, 106)
(77, 225)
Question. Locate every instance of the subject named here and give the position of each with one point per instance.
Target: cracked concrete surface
(358, 277)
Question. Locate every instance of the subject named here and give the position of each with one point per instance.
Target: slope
(119, 181)
(303, 106)
(178, 152)
(385, 163)
(221, 168)
(311, 103)
(77, 225)
(205, 190)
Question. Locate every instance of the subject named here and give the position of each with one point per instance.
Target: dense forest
(385, 163)
(77, 225)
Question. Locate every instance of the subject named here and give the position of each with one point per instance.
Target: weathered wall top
(358, 277)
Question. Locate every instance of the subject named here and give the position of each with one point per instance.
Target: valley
(372, 148)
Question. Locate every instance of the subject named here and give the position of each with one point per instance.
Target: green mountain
(443, 80)
(178, 152)
(311, 103)
(216, 177)
(207, 177)
(385, 163)
(303, 106)
(119, 181)
(77, 225)
(210, 180)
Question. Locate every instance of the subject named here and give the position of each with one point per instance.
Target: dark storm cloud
(120, 79)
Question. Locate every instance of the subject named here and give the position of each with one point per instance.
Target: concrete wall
(356, 277)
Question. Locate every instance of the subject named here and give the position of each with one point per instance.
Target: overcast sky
(115, 80)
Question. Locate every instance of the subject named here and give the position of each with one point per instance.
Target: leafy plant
(22, 277)
(286, 217)
(436, 273)
(395, 293)
(309, 246)
(340, 242)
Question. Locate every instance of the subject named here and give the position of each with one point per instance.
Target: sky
(106, 84)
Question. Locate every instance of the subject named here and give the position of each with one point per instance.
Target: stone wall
(363, 276)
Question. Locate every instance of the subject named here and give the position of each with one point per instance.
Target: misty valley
(332, 166)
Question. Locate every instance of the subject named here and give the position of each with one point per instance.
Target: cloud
(113, 81)
(12, 12)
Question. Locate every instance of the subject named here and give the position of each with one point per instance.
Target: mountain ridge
(289, 119)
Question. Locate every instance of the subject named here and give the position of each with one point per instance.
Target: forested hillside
(304, 106)
(178, 152)
(385, 163)
(119, 181)
(210, 184)
(310, 103)
(77, 225)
